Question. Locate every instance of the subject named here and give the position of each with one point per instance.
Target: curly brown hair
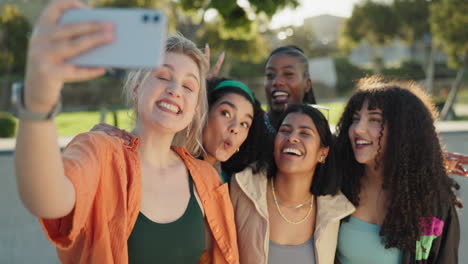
(413, 162)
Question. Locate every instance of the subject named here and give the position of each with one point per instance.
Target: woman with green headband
(234, 130)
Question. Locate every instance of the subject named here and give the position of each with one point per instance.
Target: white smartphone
(140, 37)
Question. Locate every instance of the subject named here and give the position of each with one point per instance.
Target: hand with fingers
(219, 62)
(50, 47)
(455, 163)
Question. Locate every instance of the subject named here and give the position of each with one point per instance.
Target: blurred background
(421, 40)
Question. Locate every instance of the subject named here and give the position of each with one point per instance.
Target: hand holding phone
(50, 46)
(140, 36)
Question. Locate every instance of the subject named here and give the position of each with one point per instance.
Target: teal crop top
(359, 242)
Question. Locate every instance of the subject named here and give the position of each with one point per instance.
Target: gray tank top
(299, 254)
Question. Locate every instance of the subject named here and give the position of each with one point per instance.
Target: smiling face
(229, 121)
(168, 97)
(285, 82)
(368, 137)
(297, 145)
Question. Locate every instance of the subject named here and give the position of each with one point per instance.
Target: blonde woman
(105, 201)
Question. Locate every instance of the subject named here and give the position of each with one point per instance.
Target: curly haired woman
(394, 173)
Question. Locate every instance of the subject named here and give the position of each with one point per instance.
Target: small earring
(238, 149)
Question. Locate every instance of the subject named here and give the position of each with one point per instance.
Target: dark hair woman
(287, 81)
(234, 132)
(393, 172)
(290, 212)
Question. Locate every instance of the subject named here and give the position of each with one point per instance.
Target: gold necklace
(281, 213)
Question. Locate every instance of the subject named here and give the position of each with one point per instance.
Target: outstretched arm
(43, 186)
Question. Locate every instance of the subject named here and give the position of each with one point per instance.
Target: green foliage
(241, 69)
(409, 70)
(373, 21)
(303, 37)
(449, 25)
(126, 3)
(248, 47)
(414, 18)
(347, 74)
(7, 125)
(14, 32)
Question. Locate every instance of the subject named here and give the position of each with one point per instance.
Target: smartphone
(140, 37)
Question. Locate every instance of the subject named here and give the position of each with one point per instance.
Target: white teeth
(292, 151)
(363, 142)
(169, 107)
(279, 93)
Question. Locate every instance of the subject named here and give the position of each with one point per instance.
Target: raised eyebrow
(375, 113)
(229, 104)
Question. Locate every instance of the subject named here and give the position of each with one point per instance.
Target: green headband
(231, 83)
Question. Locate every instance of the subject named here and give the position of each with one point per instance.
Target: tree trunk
(454, 90)
(5, 98)
(431, 70)
(377, 59)
(102, 114)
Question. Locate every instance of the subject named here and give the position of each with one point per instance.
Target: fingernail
(107, 26)
(108, 35)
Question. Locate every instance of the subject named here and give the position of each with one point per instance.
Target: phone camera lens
(145, 18)
(156, 18)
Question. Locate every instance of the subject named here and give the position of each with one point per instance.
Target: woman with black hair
(234, 131)
(394, 173)
(290, 211)
(287, 81)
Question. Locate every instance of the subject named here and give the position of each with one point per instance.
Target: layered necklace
(277, 203)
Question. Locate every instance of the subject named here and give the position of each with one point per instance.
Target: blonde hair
(190, 137)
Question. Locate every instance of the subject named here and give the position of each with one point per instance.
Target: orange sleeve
(82, 159)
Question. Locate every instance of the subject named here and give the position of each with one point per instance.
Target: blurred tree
(14, 32)
(414, 26)
(304, 37)
(374, 22)
(449, 25)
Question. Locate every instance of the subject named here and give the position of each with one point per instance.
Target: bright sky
(309, 8)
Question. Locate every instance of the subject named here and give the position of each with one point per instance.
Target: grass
(73, 123)
(336, 109)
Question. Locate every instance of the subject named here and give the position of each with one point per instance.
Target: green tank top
(181, 241)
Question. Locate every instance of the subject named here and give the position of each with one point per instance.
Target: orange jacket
(106, 175)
